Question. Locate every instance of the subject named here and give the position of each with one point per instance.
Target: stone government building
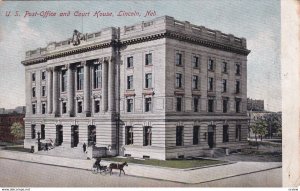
(157, 89)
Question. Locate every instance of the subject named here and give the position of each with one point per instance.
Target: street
(26, 174)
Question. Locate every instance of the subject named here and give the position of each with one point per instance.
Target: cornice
(114, 43)
(206, 43)
(68, 52)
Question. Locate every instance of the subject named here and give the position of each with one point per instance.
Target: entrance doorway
(91, 135)
(211, 135)
(59, 135)
(74, 136)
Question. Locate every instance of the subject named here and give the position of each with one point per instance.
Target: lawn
(16, 148)
(174, 163)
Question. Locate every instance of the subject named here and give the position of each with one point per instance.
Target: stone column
(111, 85)
(86, 89)
(49, 89)
(70, 90)
(104, 86)
(55, 91)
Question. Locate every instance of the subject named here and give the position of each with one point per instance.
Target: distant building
(157, 89)
(255, 105)
(19, 110)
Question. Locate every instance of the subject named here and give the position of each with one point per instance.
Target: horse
(117, 166)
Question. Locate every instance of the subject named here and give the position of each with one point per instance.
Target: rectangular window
(79, 107)
(237, 105)
(97, 106)
(43, 108)
(148, 81)
(225, 105)
(32, 131)
(147, 136)
(129, 135)
(148, 59)
(147, 104)
(196, 104)
(237, 86)
(33, 92)
(64, 80)
(64, 107)
(196, 135)
(179, 136)
(195, 82)
(97, 76)
(210, 64)
(195, 62)
(237, 69)
(224, 67)
(80, 78)
(43, 91)
(130, 82)
(210, 105)
(43, 75)
(224, 84)
(225, 133)
(129, 105)
(210, 84)
(178, 80)
(238, 133)
(33, 108)
(178, 59)
(178, 104)
(33, 77)
(42, 131)
(130, 62)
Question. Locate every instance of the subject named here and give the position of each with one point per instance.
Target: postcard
(146, 94)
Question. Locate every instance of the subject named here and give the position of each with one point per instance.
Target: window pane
(178, 59)
(195, 135)
(195, 61)
(148, 81)
(196, 103)
(33, 77)
(178, 80)
(148, 60)
(178, 105)
(80, 78)
(210, 105)
(179, 136)
(129, 62)
(97, 76)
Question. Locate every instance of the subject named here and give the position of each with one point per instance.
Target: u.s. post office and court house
(158, 89)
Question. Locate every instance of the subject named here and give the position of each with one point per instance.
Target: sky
(257, 21)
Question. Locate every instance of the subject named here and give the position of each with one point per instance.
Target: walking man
(84, 147)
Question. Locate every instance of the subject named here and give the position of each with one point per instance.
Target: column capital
(70, 65)
(83, 63)
(56, 68)
(49, 69)
(107, 59)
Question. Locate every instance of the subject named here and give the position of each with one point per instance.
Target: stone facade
(154, 90)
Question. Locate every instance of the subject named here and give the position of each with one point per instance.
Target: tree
(274, 123)
(259, 128)
(17, 130)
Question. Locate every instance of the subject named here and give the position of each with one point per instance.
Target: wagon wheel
(104, 171)
(94, 170)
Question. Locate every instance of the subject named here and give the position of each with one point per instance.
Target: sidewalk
(176, 175)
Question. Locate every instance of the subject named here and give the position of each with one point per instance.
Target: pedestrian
(84, 147)
(46, 146)
(97, 163)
